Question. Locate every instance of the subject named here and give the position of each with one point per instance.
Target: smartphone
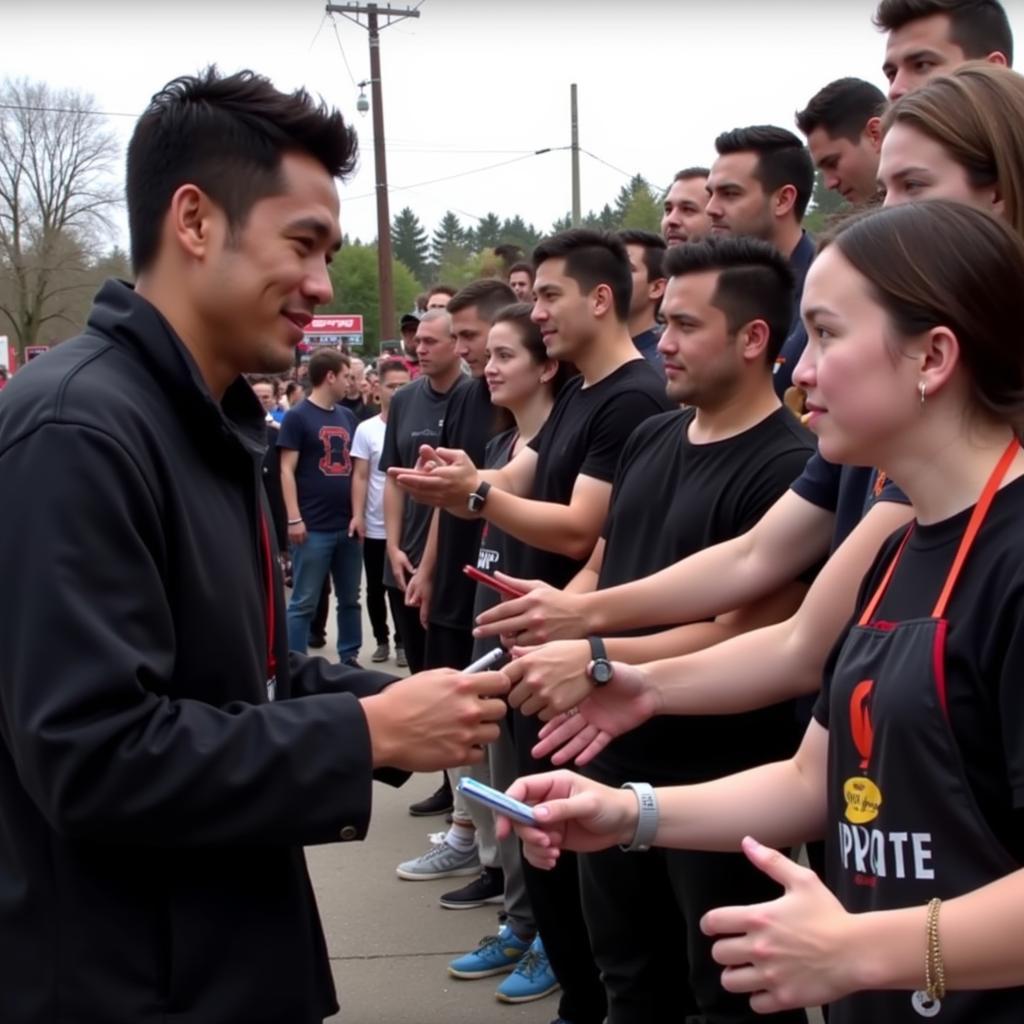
(490, 661)
(489, 581)
(496, 801)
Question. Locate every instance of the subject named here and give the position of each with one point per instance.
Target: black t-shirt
(360, 409)
(647, 345)
(848, 491)
(584, 436)
(469, 424)
(984, 646)
(498, 552)
(796, 340)
(415, 418)
(323, 473)
(672, 498)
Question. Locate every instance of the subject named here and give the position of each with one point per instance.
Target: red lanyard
(992, 486)
(268, 583)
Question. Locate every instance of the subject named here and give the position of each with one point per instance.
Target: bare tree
(56, 195)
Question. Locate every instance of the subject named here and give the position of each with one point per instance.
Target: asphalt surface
(388, 939)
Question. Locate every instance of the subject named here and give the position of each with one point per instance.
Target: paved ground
(388, 939)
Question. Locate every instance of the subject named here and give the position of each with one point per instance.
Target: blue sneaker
(532, 978)
(496, 954)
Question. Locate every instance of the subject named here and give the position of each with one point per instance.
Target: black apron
(904, 826)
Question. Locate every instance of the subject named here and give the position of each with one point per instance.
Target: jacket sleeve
(313, 675)
(317, 675)
(88, 646)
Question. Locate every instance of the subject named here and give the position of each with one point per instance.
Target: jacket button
(349, 832)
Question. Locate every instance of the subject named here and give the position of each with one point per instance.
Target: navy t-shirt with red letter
(323, 474)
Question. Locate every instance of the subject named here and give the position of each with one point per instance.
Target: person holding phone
(523, 380)
(913, 767)
(553, 496)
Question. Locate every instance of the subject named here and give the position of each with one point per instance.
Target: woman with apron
(913, 768)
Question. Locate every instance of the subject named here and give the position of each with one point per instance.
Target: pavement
(388, 939)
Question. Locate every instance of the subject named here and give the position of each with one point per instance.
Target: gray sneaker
(400, 659)
(382, 653)
(441, 861)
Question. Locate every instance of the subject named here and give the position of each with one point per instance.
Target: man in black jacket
(163, 758)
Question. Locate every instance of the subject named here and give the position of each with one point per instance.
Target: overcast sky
(472, 83)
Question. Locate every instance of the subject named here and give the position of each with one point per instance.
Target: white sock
(461, 837)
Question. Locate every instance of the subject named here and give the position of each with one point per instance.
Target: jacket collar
(129, 321)
(800, 260)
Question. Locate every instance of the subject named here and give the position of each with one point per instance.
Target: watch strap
(482, 490)
(598, 651)
(647, 817)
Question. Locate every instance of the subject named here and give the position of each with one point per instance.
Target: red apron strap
(992, 486)
(268, 583)
(869, 611)
(977, 518)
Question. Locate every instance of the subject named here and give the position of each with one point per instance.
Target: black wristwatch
(478, 498)
(600, 670)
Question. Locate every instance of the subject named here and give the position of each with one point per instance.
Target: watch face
(601, 671)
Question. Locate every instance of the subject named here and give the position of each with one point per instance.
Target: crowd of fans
(738, 510)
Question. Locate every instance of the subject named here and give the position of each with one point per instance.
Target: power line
(397, 145)
(318, 31)
(619, 170)
(65, 110)
(337, 35)
(594, 156)
(456, 152)
(462, 174)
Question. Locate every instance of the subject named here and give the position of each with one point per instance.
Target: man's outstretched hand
(438, 719)
(442, 477)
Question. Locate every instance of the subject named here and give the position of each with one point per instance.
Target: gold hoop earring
(921, 392)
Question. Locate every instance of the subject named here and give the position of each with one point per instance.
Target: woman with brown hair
(523, 383)
(913, 767)
(961, 137)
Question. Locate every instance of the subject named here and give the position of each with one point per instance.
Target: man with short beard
(684, 219)
(760, 186)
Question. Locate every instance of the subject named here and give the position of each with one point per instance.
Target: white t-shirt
(368, 444)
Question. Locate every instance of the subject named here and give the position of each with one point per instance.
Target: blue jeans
(340, 555)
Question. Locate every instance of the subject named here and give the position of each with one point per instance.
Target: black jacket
(153, 801)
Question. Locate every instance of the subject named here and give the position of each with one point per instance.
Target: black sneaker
(439, 802)
(487, 887)
(317, 641)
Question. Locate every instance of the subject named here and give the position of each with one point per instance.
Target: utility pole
(575, 157)
(373, 12)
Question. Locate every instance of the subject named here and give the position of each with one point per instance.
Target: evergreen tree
(409, 243)
(357, 289)
(517, 232)
(488, 233)
(606, 220)
(825, 203)
(450, 243)
(637, 206)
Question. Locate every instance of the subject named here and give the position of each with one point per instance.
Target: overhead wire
(337, 35)
(461, 174)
